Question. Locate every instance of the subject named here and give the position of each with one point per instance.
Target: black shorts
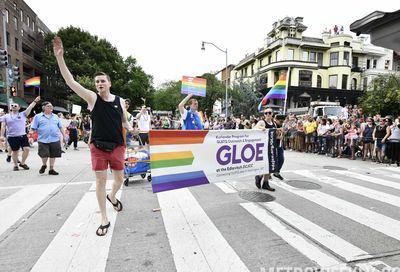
(18, 142)
(144, 138)
(49, 150)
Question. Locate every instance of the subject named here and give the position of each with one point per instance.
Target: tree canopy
(86, 55)
(382, 96)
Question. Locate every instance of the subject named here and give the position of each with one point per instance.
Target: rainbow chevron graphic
(171, 159)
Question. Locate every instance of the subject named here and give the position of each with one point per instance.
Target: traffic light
(13, 91)
(15, 71)
(3, 58)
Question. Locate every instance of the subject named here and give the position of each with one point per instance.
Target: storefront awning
(60, 109)
(15, 99)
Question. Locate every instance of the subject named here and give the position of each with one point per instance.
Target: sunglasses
(268, 112)
(14, 106)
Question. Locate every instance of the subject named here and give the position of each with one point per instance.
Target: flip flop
(102, 228)
(117, 206)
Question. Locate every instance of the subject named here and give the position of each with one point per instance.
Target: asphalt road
(327, 213)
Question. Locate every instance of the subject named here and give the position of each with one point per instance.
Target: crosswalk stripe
(370, 193)
(76, 246)
(19, 203)
(295, 240)
(374, 220)
(204, 248)
(368, 178)
(331, 241)
(392, 169)
(225, 187)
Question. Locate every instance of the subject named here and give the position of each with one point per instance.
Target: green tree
(382, 96)
(244, 100)
(86, 55)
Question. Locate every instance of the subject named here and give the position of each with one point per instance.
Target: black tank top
(380, 132)
(107, 121)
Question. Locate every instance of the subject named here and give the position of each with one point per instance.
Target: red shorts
(101, 159)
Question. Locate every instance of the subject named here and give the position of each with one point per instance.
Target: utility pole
(7, 81)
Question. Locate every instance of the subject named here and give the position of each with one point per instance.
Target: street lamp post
(7, 81)
(226, 72)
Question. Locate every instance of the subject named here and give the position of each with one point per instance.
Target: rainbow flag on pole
(194, 85)
(278, 91)
(34, 81)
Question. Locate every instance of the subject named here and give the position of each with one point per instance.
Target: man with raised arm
(190, 116)
(107, 145)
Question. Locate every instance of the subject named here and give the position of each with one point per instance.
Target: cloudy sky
(165, 35)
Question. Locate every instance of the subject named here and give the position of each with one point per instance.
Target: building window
(319, 81)
(334, 58)
(278, 55)
(387, 64)
(276, 77)
(305, 78)
(16, 44)
(28, 21)
(365, 84)
(333, 81)
(344, 81)
(374, 64)
(354, 84)
(269, 59)
(347, 44)
(252, 69)
(21, 13)
(6, 16)
(335, 44)
(305, 56)
(320, 59)
(245, 72)
(8, 38)
(292, 32)
(354, 63)
(313, 57)
(22, 32)
(15, 23)
(261, 62)
(346, 58)
(15, 6)
(17, 62)
(368, 63)
(290, 54)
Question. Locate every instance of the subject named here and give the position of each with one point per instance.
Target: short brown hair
(102, 74)
(193, 100)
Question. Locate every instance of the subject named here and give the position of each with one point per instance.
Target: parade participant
(263, 124)
(279, 146)
(107, 145)
(15, 123)
(190, 116)
(73, 132)
(144, 123)
(48, 126)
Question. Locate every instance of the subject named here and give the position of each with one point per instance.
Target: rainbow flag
(194, 85)
(34, 81)
(278, 91)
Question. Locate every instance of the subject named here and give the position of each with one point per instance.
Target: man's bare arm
(30, 107)
(181, 105)
(87, 95)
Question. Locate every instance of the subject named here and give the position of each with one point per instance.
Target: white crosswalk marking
(305, 247)
(331, 241)
(370, 193)
(76, 246)
(227, 189)
(368, 178)
(21, 202)
(374, 220)
(204, 248)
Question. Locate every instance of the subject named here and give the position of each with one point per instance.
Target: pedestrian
(48, 126)
(73, 132)
(15, 124)
(144, 122)
(190, 116)
(263, 124)
(107, 146)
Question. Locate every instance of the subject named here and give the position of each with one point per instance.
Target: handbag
(105, 146)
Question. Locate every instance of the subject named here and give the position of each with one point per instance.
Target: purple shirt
(15, 123)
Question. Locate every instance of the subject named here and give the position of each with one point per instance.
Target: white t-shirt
(144, 123)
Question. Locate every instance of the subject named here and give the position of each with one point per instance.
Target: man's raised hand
(58, 47)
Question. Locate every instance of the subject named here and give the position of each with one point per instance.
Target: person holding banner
(107, 146)
(190, 116)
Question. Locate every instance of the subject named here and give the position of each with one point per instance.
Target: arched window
(354, 84)
(319, 81)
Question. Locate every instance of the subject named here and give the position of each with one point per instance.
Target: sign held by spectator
(194, 85)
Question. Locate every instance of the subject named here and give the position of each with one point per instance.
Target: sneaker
(278, 175)
(16, 168)
(53, 172)
(42, 169)
(24, 166)
(8, 158)
(258, 181)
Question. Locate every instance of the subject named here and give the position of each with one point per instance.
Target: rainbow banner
(34, 81)
(194, 85)
(278, 91)
(180, 159)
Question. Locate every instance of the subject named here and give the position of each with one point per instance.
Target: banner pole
(287, 87)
